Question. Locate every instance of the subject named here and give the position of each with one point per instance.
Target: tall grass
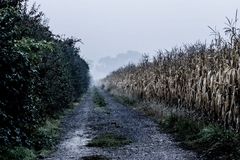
(199, 77)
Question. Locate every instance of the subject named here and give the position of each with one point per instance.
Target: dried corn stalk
(197, 77)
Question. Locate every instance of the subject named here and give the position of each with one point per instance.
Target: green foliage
(126, 100)
(184, 128)
(47, 135)
(6, 3)
(31, 47)
(212, 141)
(109, 140)
(19, 153)
(98, 99)
(40, 75)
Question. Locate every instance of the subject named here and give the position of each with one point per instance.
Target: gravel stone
(87, 121)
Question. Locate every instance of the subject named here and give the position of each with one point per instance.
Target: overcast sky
(110, 27)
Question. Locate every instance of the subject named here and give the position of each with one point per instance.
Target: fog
(110, 28)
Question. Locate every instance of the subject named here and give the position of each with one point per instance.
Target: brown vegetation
(200, 78)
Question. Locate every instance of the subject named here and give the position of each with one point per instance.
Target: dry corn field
(201, 78)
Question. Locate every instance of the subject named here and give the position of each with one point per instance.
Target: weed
(109, 140)
(210, 140)
(95, 157)
(98, 99)
(47, 135)
(128, 101)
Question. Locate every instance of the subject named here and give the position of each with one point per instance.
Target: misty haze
(108, 64)
(119, 80)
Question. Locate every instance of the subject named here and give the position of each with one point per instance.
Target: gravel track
(87, 121)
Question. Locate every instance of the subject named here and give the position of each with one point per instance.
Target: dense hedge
(40, 73)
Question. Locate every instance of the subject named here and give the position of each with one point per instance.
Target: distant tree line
(40, 72)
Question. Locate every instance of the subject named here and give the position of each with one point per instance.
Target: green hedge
(40, 73)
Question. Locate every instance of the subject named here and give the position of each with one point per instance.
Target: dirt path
(88, 121)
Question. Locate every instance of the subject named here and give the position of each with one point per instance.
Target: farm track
(87, 121)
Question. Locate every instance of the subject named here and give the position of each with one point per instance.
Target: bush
(46, 136)
(19, 153)
(40, 75)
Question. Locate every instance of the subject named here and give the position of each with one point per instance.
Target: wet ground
(88, 121)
